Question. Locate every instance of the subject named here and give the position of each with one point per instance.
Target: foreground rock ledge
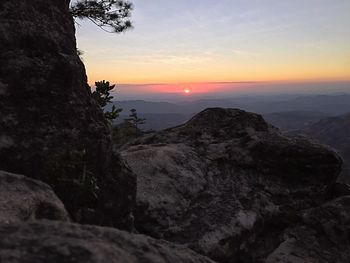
(321, 236)
(49, 241)
(226, 183)
(23, 199)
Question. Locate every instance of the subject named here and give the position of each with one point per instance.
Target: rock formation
(227, 183)
(34, 228)
(321, 236)
(23, 199)
(45, 241)
(50, 127)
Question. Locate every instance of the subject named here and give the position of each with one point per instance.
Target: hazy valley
(284, 111)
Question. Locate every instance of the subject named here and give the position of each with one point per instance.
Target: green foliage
(129, 129)
(110, 15)
(113, 114)
(71, 178)
(134, 120)
(88, 184)
(80, 53)
(102, 97)
(124, 133)
(101, 94)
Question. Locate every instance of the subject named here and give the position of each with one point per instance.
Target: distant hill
(155, 121)
(286, 112)
(335, 132)
(293, 120)
(146, 107)
(331, 105)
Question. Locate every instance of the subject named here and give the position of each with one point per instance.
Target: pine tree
(102, 97)
(112, 16)
(134, 119)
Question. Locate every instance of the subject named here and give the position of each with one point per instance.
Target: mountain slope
(334, 131)
(328, 104)
(292, 120)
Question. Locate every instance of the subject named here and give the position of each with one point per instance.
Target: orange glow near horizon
(187, 90)
(279, 41)
(225, 72)
(196, 89)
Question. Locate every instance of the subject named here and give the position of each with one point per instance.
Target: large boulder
(50, 127)
(45, 241)
(23, 199)
(226, 183)
(322, 235)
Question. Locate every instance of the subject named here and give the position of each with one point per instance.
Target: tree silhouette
(134, 119)
(103, 97)
(110, 15)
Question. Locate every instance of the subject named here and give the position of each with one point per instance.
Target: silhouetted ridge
(230, 121)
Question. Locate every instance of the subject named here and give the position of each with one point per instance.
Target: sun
(187, 91)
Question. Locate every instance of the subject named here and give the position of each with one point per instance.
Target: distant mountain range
(158, 121)
(294, 120)
(335, 132)
(328, 104)
(286, 112)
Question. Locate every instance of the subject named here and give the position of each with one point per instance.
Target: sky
(211, 46)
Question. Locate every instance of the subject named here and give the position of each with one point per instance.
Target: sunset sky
(184, 42)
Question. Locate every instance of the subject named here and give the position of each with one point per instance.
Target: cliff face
(227, 184)
(50, 128)
(47, 114)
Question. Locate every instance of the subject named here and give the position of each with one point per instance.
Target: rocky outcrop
(28, 236)
(47, 241)
(23, 199)
(50, 127)
(322, 236)
(226, 183)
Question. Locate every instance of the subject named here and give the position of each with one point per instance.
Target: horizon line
(235, 82)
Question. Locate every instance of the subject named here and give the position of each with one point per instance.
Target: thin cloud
(246, 54)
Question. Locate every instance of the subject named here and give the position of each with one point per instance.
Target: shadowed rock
(226, 183)
(321, 236)
(45, 241)
(50, 127)
(23, 199)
